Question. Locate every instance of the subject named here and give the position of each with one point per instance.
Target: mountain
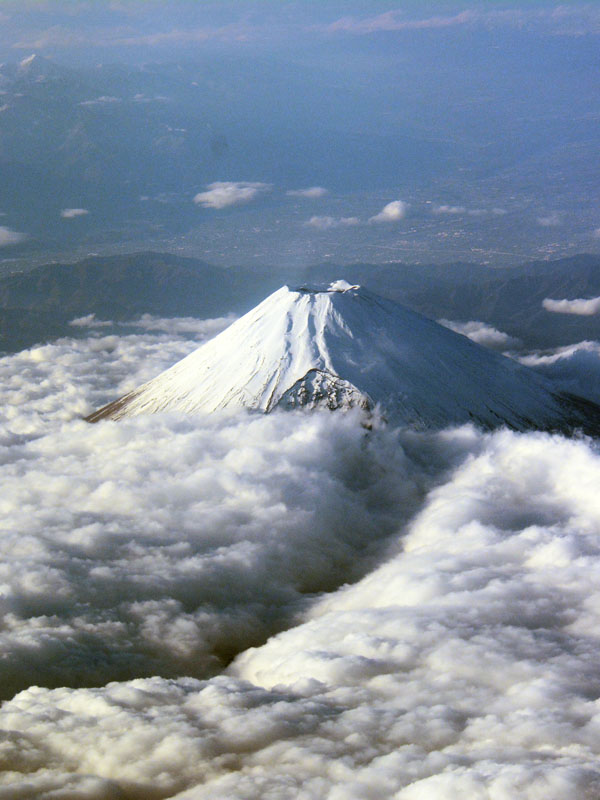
(509, 298)
(38, 304)
(343, 346)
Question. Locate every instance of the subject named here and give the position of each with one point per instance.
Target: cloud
(326, 223)
(168, 544)
(481, 333)
(222, 194)
(581, 19)
(445, 209)
(549, 221)
(392, 212)
(71, 213)
(395, 21)
(90, 321)
(582, 307)
(101, 101)
(409, 614)
(202, 328)
(312, 193)
(574, 368)
(446, 672)
(9, 237)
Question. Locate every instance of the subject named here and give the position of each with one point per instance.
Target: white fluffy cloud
(392, 212)
(326, 223)
(71, 213)
(312, 193)
(483, 334)
(466, 665)
(222, 194)
(583, 307)
(8, 236)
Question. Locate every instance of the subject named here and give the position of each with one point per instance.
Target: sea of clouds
(286, 606)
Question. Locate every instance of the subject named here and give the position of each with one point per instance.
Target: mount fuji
(342, 347)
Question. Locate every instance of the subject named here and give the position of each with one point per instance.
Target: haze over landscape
(326, 276)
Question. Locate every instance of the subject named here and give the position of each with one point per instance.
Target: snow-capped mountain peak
(341, 346)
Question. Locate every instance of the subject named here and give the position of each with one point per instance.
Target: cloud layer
(222, 194)
(463, 663)
(465, 666)
(167, 545)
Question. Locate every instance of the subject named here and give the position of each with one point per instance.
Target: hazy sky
(153, 28)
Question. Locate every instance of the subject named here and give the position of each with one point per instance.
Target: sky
(262, 23)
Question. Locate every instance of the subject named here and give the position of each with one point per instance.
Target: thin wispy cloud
(325, 223)
(448, 209)
(312, 193)
(71, 213)
(562, 19)
(550, 220)
(101, 101)
(396, 21)
(482, 333)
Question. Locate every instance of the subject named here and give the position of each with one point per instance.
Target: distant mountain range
(36, 306)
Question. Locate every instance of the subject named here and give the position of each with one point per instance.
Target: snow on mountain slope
(343, 346)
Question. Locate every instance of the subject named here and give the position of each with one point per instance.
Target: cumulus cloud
(325, 223)
(70, 213)
(9, 237)
(446, 672)
(312, 193)
(222, 194)
(483, 334)
(582, 307)
(392, 212)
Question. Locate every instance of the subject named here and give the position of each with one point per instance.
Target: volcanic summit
(342, 346)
